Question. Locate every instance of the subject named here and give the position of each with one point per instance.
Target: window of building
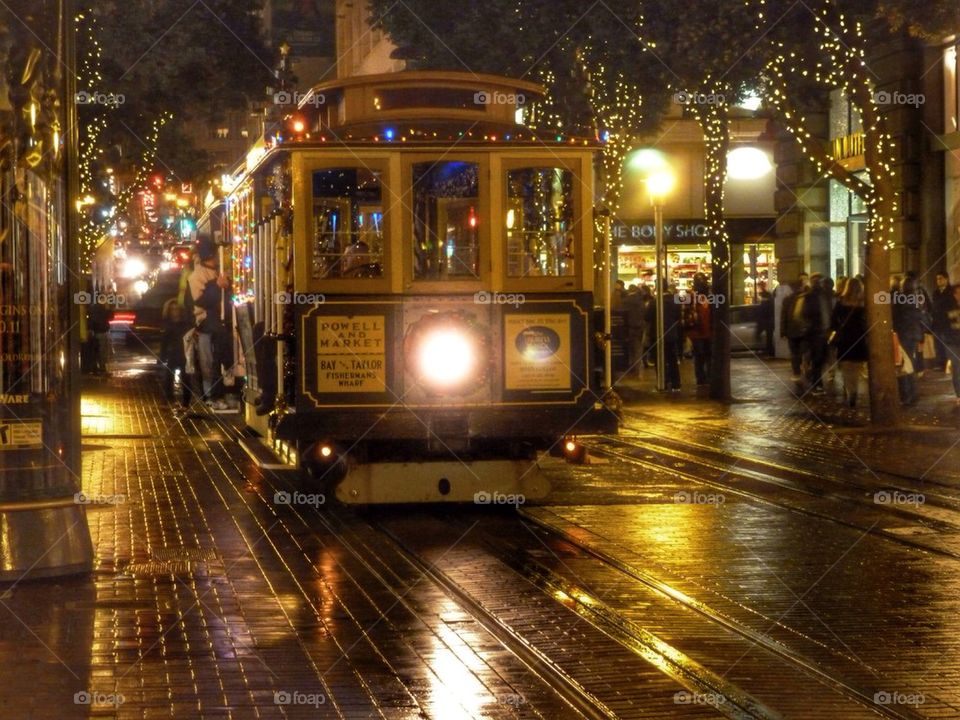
(540, 236)
(445, 221)
(223, 132)
(951, 90)
(348, 233)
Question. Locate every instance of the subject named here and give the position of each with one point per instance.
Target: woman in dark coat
(909, 321)
(849, 326)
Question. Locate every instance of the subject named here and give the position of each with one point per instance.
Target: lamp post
(659, 185)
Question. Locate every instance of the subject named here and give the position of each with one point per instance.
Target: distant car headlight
(446, 353)
(141, 286)
(133, 268)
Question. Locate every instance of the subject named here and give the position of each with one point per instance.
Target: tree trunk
(716, 130)
(884, 395)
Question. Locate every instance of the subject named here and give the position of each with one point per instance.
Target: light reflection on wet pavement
(729, 561)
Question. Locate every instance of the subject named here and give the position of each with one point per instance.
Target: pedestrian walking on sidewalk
(908, 324)
(941, 304)
(173, 359)
(816, 310)
(848, 338)
(698, 326)
(634, 310)
(98, 324)
(794, 327)
(670, 336)
(951, 341)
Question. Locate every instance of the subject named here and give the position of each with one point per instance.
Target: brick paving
(768, 420)
(211, 600)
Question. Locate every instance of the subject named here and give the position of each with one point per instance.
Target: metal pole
(607, 319)
(660, 289)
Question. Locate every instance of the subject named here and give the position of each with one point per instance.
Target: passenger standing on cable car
(206, 285)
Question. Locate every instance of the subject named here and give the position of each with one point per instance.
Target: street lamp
(659, 185)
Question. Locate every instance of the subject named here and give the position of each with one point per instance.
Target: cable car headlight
(446, 353)
(446, 358)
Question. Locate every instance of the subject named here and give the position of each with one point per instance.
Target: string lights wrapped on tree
(711, 60)
(822, 46)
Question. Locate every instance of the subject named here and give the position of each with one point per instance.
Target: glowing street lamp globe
(659, 185)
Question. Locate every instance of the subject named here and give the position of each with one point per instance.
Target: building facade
(822, 226)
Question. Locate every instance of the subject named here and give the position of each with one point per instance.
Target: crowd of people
(827, 330)
(823, 323)
(686, 316)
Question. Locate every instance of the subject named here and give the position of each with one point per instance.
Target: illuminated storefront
(43, 528)
(688, 252)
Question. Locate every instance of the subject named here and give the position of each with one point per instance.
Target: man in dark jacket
(793, 327)
(99, 325)
(941, 304)
(634, 310)
(670, 336)
(816, 311)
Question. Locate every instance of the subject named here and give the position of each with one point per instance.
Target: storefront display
(688, 252)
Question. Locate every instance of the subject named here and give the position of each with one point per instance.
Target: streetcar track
(728, 486)
(951, 501)
(788, 478)
(646, 644)
(564, 687)
(860, 695)
(739, 704)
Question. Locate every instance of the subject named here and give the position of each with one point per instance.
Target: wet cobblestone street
(770, 559)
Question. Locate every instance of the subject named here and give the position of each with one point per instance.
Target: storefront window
(540, 237)
(347, 224)
(754, 268)
(445, 221)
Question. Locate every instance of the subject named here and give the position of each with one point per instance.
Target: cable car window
(540, 234)
(446, 242)
(348, 232)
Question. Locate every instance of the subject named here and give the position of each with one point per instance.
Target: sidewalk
(766, 415)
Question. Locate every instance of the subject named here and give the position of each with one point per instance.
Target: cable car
(414, 289)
